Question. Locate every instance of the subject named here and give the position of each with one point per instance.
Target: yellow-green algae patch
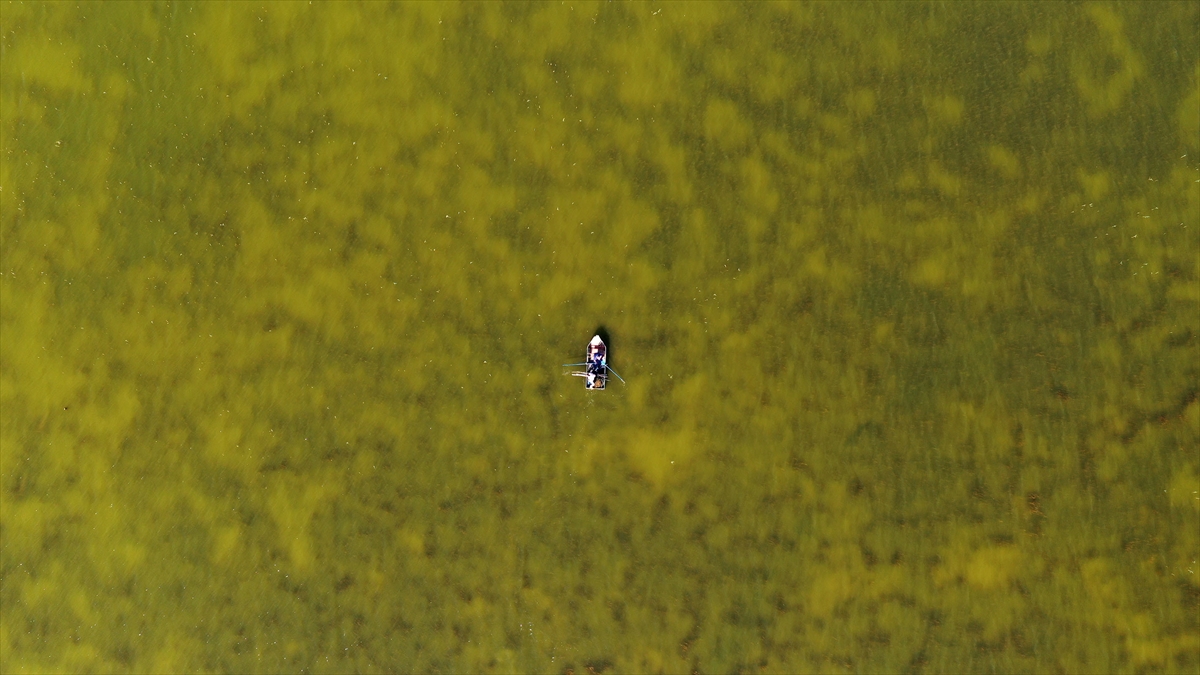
(907, 297)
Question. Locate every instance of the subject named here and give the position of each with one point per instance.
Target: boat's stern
(595, 382)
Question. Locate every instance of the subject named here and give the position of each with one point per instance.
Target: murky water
(906, 297)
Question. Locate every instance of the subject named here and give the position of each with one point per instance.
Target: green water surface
(907, 297)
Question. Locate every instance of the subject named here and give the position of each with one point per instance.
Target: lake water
(906, 296)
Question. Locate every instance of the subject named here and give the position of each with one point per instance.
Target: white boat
(596, 370)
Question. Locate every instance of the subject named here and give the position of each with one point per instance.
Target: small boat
(596, 368)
